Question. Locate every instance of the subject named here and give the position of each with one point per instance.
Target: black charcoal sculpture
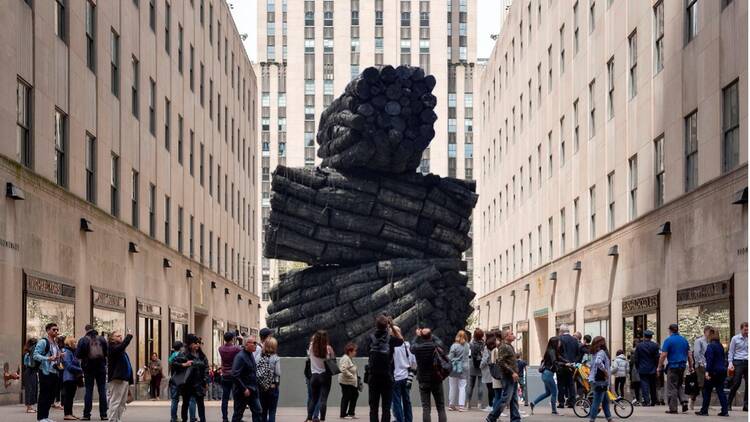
(380, 238)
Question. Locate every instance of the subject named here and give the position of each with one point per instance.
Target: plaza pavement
(145, 411)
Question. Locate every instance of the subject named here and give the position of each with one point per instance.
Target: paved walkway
(159, 412)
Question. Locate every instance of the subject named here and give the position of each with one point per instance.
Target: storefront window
(40, 312)
(634, 327)
(178, 325)
(107, 321)
(149, 339)
(218, 339)
(597, 328)
(692, 319)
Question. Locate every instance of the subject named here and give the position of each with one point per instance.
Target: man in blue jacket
(246, 382)
(646, 360)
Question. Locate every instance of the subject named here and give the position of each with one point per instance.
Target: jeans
(98, 375)
(174, 394)
(490, 394)
(316, 406)
(226, 392)
(740, 373)
(189, 395)
(69, 393)
(716, 382)
(457, 391)
(349, 396)
(648, 381)
(241, 402)
(48, 388)
(601, 399)
(320, 385)
(474, 379)
(436, 390)
(268, 402)
(566, 393)
(550, 390)
(380, 395)
(401, 402)
(620, 386)
(508, 397)
(673, 388)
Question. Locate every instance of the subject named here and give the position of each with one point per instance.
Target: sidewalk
(148, 411)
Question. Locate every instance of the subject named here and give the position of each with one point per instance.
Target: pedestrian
(58, 404)
(49, 358)
(92, 350)
(647, 359)
(190, 368)
(380, 345)
(244, 374)
(404, 367)
(738, 364)
(476, 346)
(459, 357)
(119, 374)
(174, 390)
(620, 370)
(566, 393)
(599, 378)
(675, 351)
(635, 379)
(504, 356)
(699, 362)
(551, 362)
(72, 376)
(263, 334)
(216, 383)
(428, 349)
(489, 344)
(715, 374)
(349, 382)
(155, 372)
(320, 379)
(227, 351)
(30, 375)
(269, 377)
(522, 365)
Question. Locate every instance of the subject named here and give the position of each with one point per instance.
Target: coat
(620, 366)
(72, 366)
(459, 357)
(119, 366)
(244, 373)
(424, 352)
(197, 378)
(484, 366)
(348, 368)
(571, 348)
(647, 357)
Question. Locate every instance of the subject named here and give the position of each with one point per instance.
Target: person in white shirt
(404, 367)
(738, 364)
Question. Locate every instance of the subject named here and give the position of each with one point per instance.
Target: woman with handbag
(489, 344)
(716, 374)
(269, 377)
(72, 377)
(599, 378)
(459, 358)
(552, 358)
(154, 370)
(190, 369)
(349, 381)
(321, 353)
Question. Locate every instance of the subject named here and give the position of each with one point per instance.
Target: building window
(91, 35)
(592, 109)
(633, 63)
(179, 229)
(115, 61)
(611, 201)
(179, 138)
(592, 16)
(167, 216)
(167, 123)
(562, 141)
(576, 126)
(152, 210)
(549, 154)
(659, 171)
(191, 238)
(90, 168)
(60, 19)
(167, 24)
(191, 152)
(61, 148)
(575, 27)
(152, 108)
(550, 237)
(691, 151)
(562, 231)
(23, 124)
(201, 160)
(611, 88)
(134, 106)
(576, 225)
(192, 68)
(114, 203)
(562, 49)
(691, 20)
(633, 186)
(659, 37)
(152, 14)
(730, 112)
(201, 242)
(592, 213)
(134, 199)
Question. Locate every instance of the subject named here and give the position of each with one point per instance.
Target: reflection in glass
(107, 321)
(694, 318)
(40, 312)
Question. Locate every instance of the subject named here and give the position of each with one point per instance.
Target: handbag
(179, 379)
(496, 372)
(332, 367)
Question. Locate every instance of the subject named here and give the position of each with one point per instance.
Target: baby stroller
(622, 407)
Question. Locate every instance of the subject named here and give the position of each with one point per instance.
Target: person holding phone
(119, 373)
(194, 363)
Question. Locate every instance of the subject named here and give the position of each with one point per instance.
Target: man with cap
(264, 333)
(646, 360)
(675, 350)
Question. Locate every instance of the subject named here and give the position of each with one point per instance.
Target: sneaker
(671, 412)
(684, 407)
(504, 415)
(462, 409)
(487, 409)
(723, 414)
(532, 408)
(701, 414)
(692, 404)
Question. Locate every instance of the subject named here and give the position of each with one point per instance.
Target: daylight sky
(488, 22)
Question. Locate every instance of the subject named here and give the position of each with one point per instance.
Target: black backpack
(476, 354)
(380, 358)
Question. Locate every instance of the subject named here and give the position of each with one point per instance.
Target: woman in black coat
(190, 374)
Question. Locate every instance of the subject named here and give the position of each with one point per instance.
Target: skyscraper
(308, 54)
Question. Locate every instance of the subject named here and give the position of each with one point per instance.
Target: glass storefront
(217, 335)
(708, 304)
(48, 301)
(107, 311)
(178, 325)
(522, 339)
(640, 313)
(149, 339)
(596, 321)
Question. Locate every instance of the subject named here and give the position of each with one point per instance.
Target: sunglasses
(55, 329)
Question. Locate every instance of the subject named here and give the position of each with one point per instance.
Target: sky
(488, 23)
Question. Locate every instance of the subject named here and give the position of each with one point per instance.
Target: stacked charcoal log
(380, 237)
(383, 121)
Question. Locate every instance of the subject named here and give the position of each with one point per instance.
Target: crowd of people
(674, 373)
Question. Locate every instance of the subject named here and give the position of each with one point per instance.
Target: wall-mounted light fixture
(14, 192)
(226, 290)
(577, 266)
(189, 273)
(167, 263)
(665, 229)
(239, 296)
(213, 284)
(740, 197)
(553, 275)
(613, 251)
(86, 225)
(133, 247)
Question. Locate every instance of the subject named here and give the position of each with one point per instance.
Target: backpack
(441, 366)
(379, 362)
(35, 363)
(95, 349)
(476, 354)
(265, 373)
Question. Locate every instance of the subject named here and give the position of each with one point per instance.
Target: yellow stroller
(622, 407)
